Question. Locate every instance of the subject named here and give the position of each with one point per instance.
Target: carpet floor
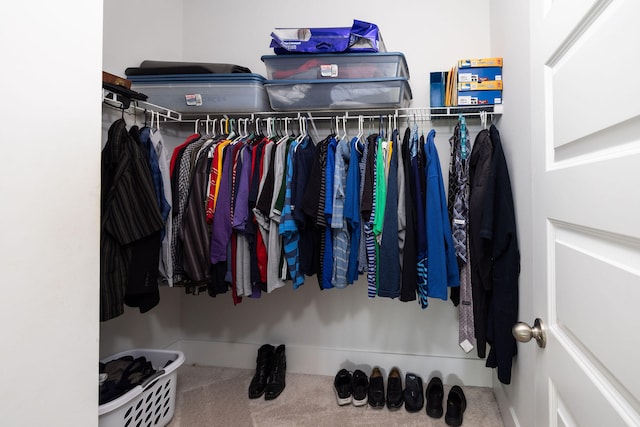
(213, 396)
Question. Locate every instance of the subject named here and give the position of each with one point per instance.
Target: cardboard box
(480, 62)
(479, 74)
(480, 97)
(485, 85)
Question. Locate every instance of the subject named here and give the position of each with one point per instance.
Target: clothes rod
(398, 113)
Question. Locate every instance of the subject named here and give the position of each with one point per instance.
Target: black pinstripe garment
(129, 213)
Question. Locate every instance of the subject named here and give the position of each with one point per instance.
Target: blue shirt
(341, 237)
(442, 266)
(352, 209)
(327, 265)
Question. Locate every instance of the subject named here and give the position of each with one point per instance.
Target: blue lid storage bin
(337, 65)
(292, 95)
(205, 93)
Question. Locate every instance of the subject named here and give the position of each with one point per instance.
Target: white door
(586, 201)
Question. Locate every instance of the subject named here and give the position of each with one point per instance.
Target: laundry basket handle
(152, 378)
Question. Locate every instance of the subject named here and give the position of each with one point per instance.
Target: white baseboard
(507, 411)
(327, 361)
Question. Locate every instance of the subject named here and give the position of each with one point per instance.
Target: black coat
(499, 283)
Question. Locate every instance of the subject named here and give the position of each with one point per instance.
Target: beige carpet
(212, 396)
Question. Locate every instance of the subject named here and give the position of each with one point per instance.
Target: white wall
(510, 38)
(49, 221)
(135, 30)
(336, 327)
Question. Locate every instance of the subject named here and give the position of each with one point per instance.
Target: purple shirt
(221, 227)
(241, 206)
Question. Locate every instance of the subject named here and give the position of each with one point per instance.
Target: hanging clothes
(339, 227)
(498, 227)
(165, 268)
(389, 272)
(416, 152)
(352, 208)
(479, 176)
(327, 259)
(409, 250)
(306, 156)
(458, 204)
(131, 223)
(368, 209)
(288, 227)
(180, 185)
(254, 214)
(442, 268)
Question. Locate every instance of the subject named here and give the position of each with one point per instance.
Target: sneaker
(342, 387)
(413, 393)
(359, 388)
(376, 389)
(395, 398)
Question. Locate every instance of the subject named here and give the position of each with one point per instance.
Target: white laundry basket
(151, 403)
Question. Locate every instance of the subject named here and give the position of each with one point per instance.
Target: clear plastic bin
(336, 66)
(150, 404)
(205, 93)
(292, 95)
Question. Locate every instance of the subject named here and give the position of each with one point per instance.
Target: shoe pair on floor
(351, 388)
(456, 402)
(269, 378)
(411, 396)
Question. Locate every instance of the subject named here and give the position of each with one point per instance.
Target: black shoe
(456, 404)
(342, 387)
(434, 397)
(359, 388)
(413, 393)
(376, 389)
(264, 366)
(276, 381)
(394, 390)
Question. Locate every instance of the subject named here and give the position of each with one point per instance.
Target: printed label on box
(474, 100)
(480, 97)
(480, 62)
(193, 100)
(482, 74)
(485, 85)
(329, 70)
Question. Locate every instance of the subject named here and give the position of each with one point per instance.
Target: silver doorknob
(523, 332)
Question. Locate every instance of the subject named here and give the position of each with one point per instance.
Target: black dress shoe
(359, 388)
(434, 397)
(276, 381)
(376, 389)
(264, 366)
(394, 390)
(413, 393)
(456, 404)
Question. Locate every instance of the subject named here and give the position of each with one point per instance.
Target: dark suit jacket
(498, 273)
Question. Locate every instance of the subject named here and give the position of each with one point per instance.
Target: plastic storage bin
(291, 95)
(341, 66)
(205, 93)
(149, 404)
